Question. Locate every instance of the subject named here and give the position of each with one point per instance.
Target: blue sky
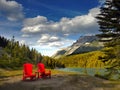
(48, 25)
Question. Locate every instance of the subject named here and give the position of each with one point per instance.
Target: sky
(48, 25)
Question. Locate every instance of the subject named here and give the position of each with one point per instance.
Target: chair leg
(23, 79)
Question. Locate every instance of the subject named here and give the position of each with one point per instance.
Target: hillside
(13, 54)
(82, 45)
(85, 60)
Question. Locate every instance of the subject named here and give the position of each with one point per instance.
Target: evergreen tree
(109, 21)
(13, 55)
(3, 42)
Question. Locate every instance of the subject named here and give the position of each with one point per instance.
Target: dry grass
(9, 73)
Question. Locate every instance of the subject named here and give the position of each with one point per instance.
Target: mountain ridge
(82, 45)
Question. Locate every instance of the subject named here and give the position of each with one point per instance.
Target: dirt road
(59, 82)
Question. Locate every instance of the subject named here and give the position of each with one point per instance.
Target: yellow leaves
(90, 60)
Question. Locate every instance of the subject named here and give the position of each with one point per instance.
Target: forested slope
(13, 55)
(90, 60)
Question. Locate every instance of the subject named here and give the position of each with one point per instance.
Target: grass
(57, 72)
(17, 74)
(9, 73)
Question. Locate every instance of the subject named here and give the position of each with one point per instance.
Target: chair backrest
(41, 67)
(27, 68)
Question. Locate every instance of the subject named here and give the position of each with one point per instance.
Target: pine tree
(109, 21)
(3, 42)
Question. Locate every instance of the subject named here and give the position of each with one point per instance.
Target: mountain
(82, 45)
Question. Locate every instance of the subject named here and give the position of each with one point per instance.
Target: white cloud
(48, 38)
(78, 24)
(45, 50)
(11, 10)
(56, 34)
(94, 12)
(35, 21)
(50, 48)
(101, 2)
(53, 41)
(25, 35)
(22, 42)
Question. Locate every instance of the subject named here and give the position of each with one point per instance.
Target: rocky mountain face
(82, 45)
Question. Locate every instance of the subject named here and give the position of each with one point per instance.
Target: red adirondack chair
(27, 71)
(42, 72)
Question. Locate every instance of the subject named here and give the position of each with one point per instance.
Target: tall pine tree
(109, 21)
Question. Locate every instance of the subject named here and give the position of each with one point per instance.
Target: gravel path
(59, 82)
